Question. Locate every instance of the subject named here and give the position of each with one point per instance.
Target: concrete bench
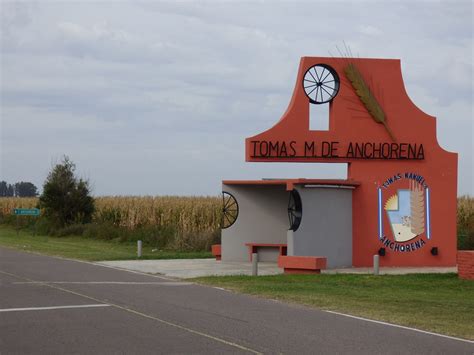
(253, 248)
(302, 264)
(216, 251)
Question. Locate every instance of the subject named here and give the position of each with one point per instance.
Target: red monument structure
(402, 185)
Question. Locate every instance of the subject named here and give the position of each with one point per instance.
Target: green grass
(86, 249)
(439, 303)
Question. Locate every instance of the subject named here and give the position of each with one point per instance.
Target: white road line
(126, 309)
(165, 283)
(54, 307)
(220, 288)
(401, 326)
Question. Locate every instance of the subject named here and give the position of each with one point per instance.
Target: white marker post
(254, 264)
(376, 264)
(139, 248)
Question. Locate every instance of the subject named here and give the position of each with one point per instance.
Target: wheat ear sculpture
(365, 95)
(417, 208)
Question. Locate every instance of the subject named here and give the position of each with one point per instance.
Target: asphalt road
(56, 306)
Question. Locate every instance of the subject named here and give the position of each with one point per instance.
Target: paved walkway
(189, 268)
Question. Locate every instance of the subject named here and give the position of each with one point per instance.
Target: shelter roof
(290, 183)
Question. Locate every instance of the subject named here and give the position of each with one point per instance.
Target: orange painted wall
(350, 122)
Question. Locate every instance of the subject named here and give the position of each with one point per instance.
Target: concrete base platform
(189, 268)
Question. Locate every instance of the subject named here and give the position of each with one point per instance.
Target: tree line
(18, 189)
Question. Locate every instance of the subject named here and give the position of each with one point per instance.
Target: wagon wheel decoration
(230, 210)
(321, 83)
(295, 210)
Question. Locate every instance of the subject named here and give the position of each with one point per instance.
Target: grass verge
(440, 303)
(86, 249)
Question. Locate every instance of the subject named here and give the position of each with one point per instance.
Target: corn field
(187, 215)
(466, 213)
(7, 204)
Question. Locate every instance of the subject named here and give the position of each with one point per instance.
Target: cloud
(370, 30)
(14, 16)
(144, 95)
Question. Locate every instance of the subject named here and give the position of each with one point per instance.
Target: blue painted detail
(427, 199)
(380, 214)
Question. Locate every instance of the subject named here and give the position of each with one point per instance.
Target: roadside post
(35, 212)
(376, 264)
(254, 264)
(139, 248)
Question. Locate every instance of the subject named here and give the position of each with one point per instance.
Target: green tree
(65, 198)
(3, 189)
(6, 190)
(25, 189)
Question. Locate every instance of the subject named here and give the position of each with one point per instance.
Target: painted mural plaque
(404, 212)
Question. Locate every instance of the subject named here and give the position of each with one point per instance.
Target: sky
(157, 97)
